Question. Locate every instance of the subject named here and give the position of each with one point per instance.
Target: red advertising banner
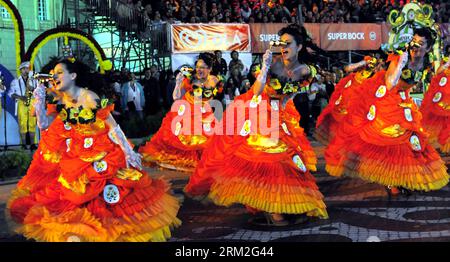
(342, 37)
(385, 28)
(194, 38)
(263, 33)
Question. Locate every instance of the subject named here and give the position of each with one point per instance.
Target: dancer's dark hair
(86, 77)
(301, 36)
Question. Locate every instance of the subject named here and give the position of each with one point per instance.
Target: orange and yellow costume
(88, 193)
(252, 167)
(383, 140)
(185, 130)
(346, 91)
(435, 109)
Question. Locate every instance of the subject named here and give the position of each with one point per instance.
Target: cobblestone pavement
(358, 212)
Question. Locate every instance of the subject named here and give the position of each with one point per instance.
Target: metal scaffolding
(128, 39)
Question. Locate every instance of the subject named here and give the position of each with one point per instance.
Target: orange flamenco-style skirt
(95, 197)
(387, 144)
(435, 109)
(184, 133)
(256, 170)
(44, 166)
(333, 114)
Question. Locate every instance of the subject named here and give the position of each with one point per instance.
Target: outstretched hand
(39, 92)
(134, 159)
(267, 60)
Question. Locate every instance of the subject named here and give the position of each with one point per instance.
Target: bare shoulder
(90, 98)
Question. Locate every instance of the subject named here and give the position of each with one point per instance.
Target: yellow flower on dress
(406, 74)
(215, 91)
(275, 84)
(198, 91)
(63, 114)
(74, 113)
(86, 114)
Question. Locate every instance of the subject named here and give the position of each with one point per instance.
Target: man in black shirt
(221, 66)
(151, 92)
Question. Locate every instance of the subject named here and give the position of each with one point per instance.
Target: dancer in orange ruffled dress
(435, 109)
(100, 194)
(388, 144)
(264, 162)
(344, 94)
(180, 146)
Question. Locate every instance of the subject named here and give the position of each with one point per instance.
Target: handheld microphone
(44, 77)
(277, 43)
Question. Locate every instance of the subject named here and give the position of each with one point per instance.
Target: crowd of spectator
(274, 11)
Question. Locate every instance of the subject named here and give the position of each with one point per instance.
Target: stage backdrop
(196, 38)
(263, 33)
(342, 37)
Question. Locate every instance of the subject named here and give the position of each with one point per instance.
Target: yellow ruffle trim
(281, 199)
(16, 194)
(129, 174)
(432, 176)
(446, 148)
(152, 224)
(168, 159)
(336, 171)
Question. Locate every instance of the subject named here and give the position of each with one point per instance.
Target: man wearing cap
(21, 91)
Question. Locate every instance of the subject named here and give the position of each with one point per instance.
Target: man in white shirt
(21, 90)
(133, 99)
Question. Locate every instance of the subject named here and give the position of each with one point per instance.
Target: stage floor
(358, 212)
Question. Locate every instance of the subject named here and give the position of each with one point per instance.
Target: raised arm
(395, 70)
(443, 67)
(260, 82)
(178, 91)
(43, 120)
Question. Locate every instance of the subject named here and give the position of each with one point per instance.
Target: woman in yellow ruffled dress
(101, 192)
(265, 162)
(389, 146)
(186, 130)
(435, 109)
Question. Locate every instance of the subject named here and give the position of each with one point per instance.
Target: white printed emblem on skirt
(437, 97)
(349, 83)
(408, 114)
(372, 112)
(246, 128)
(338, 101)
(67, 126)
(415, 143)
(177, 128)
(285, 128)
(274, 104)
(207, 127)
(299, 163)
(255, 101)
(100, 166)
(111, 194)
(181, 110)
(381, 91)
(88, 142)
(443, 81)
(68, 142)
(402, 95)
